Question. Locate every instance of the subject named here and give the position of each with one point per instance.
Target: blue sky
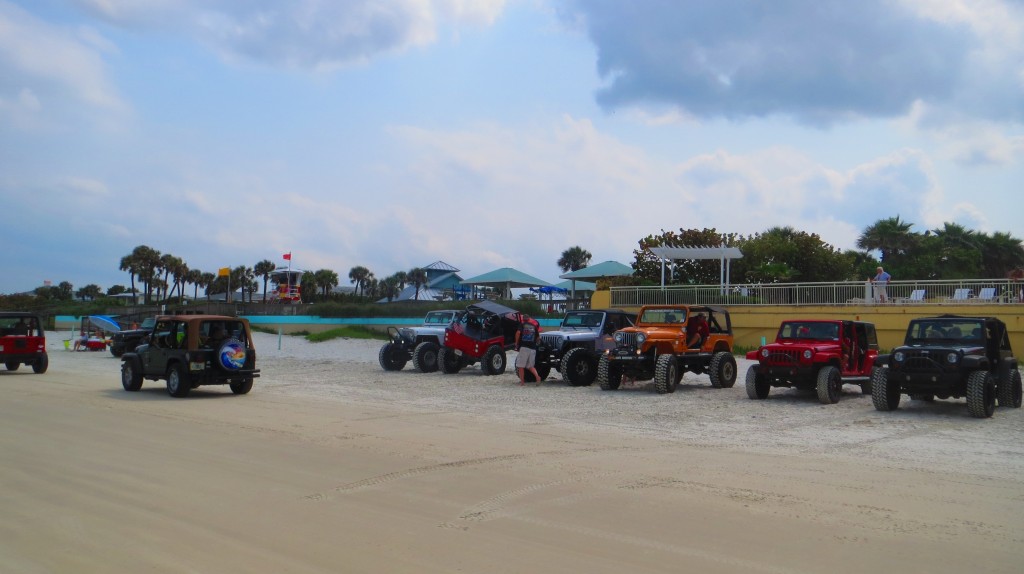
(391, 134)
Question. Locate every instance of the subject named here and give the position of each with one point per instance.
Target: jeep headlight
(952, 358)
(808, 353)
(764, 352)
(640, 338)
(898, 356)
(618, 338)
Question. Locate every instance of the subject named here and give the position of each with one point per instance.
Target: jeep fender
(975, 362)
(882, 360)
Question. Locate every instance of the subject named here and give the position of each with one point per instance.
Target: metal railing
(993, 291)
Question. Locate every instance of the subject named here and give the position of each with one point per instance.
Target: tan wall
(750, 323)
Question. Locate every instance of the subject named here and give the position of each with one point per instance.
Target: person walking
(881, 279)
(526, 347)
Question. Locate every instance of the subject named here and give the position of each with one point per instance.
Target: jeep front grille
(784, 357)
(924, 361)
(552, 341)
(628, 340)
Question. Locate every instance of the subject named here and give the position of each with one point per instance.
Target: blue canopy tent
(507, 279)
(597, 271)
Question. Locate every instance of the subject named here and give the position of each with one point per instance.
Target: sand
(333, 465)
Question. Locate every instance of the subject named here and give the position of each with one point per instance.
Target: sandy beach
(333, 465)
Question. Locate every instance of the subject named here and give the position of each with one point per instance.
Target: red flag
(287, 256)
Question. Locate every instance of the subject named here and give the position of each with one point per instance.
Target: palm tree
(574, 259)
(891, 237)
(147, 260)
(129, 264)
(326, 279)
(193, 276)
(307, 286)
(418, 277)
(1000, 254)
(388, 287)
(264, 269)
(401, 279)
(358, 276)
(205, 281)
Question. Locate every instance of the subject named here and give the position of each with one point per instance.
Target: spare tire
(232, 355)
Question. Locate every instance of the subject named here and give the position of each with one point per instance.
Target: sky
(391, 134)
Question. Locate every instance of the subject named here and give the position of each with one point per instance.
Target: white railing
(994, 291)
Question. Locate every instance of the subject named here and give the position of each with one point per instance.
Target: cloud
(821, 63)
(47, 69)
(302, 34)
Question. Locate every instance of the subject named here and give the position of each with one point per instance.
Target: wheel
(241, 387)
(981, 395)
(448, 361)
(665, 371)
(424, 357)
(830, 385)
(39, 367)
(609, 376)
(131, 375)
(1010, 390)
(579, 367)
(884, 395)
(12, 365)
(757, 384)
(722, 370)
(493, 361)
(391, 357)
(177, 381)
(542, 370)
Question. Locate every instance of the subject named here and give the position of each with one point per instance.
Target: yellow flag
(224, 272)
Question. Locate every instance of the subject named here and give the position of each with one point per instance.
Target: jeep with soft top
(485, 332)
(22, 341)
(815, 354)
(950, 357)
(188, 351)
(574, 349)
(659, 347)
(418, 344)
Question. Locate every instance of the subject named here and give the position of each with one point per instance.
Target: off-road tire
(830, 385)
(1010, 390)
(424, 357)
(448, 361)
(131, 375)
(542, 370)
(177, 381)
(665, 371)
(722, 370)
(579, 367)
(609, 376)
(981, 395)
(493, 361)
(391, 357)
(241, 387)
(12, 365)
(885, 395)
(758, 386)
(39, 367)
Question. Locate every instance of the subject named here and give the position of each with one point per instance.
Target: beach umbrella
(105, 323)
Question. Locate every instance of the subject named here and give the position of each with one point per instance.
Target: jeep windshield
(663, 315)
(809, 330)
(582, 320)
(439, 318)
(958, 330)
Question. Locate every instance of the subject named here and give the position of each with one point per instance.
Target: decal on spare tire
(231, 355)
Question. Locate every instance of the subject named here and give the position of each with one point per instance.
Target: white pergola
(722, 253)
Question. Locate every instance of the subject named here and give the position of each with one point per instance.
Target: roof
(603, 269)
(506, 277)
(441, 266)
(492, 307)
(580, 285)
(697, 252)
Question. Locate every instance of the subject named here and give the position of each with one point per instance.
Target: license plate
(196, 366)
(622, 353)
(458, 353)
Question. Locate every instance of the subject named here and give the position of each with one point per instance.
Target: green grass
(348, 332)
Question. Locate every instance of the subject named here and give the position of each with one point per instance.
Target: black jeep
(950, 356)
(126, 340)
(576, 346)
(420, 344)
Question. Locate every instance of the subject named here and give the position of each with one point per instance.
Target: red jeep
(22, 341)
(819, 354)
(485, 332)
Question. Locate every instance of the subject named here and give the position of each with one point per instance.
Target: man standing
(526, 345)
(880, 281)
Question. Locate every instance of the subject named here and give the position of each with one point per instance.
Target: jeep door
(163, 344)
